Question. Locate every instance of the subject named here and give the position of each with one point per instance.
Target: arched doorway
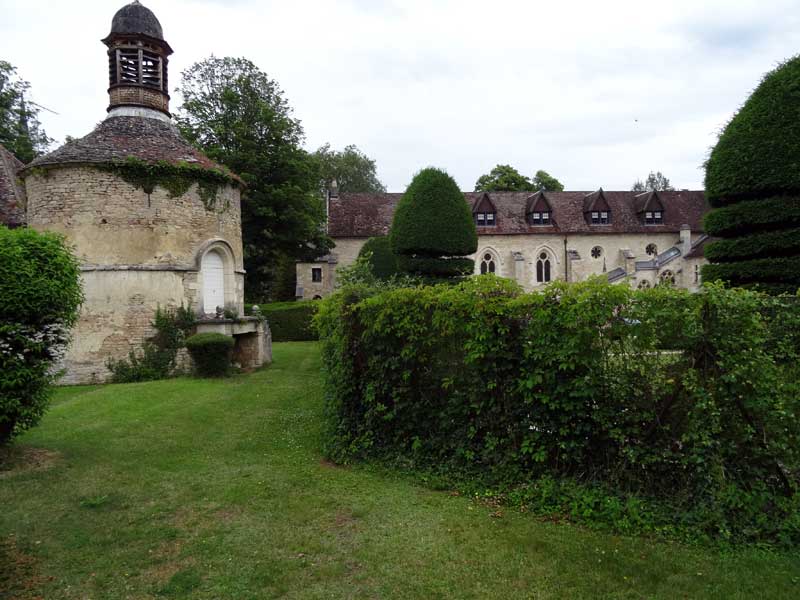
(213, 273)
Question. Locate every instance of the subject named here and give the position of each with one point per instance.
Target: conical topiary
(382, 259)
(753, 183)
(433, 230)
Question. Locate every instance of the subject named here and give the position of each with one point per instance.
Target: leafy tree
(40, 293)
(504, 178)
(544, 182)
(655, 182)
(432, 229)
(353, 170)
(753, 183)
(383, 261)
(20, 130)
(240, 118)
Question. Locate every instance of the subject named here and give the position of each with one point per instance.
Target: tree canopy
(505, 178)
(353, 170)
(544, 182)
(655, 182)
(240, 118)
(753, 181)
(20, 130)
(432, 229)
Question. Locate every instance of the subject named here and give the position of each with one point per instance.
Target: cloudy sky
(596, 93)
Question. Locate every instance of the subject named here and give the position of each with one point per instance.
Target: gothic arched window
(487, 264)
(667, 278)
(644, 284)
(543, 268)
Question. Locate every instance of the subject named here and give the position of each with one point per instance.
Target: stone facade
(630, 251)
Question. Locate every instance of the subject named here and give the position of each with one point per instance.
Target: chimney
(686, 239)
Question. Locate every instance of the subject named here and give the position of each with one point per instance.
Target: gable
(484, 204)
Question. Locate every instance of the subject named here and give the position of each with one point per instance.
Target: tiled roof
(118, 138)
(12, 194)
(366, 215)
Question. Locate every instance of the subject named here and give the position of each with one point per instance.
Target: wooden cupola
(137, 60)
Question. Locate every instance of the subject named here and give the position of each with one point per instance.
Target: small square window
(481, 218)
(545, 217)
(490, 218)
(537, 216)
(316, 274)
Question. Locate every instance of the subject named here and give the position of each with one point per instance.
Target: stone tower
(153, 221)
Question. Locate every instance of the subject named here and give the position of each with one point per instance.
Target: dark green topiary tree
(382, 260)
(433, 229)
(40, 294)
(753, 184)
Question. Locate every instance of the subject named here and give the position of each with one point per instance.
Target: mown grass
(218, 489)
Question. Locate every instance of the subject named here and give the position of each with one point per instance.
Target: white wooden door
(213, 282)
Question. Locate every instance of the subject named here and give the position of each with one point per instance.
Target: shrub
(156, 359)
(381, 257)
(753, 181)
(432, 225)
(211, 353)
(40, 294)
(291, 321)
(654, 409)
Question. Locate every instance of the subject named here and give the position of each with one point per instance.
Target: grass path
(217, 489)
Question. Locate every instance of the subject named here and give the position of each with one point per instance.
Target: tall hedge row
(291, 321)
(753, 182)
(433, 226)
(684, 408)
(40, 294)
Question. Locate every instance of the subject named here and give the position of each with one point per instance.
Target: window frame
(314, 272)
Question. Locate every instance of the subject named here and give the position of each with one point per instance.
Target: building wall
(507, 250)
(137, 252)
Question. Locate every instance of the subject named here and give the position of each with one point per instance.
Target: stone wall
(111, 222)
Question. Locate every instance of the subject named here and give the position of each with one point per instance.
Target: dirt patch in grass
(15, 460)
(330, 464)
(19, 574)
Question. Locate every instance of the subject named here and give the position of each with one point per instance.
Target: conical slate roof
(119, 138)
(135, 19)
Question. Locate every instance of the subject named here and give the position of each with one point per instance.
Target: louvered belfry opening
(137, 66)
(137, 60)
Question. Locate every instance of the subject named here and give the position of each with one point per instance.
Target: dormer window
(601, 217)
(540, 218)
(485, 219)
(596, 209)
(655, 217)
(538, 210)
(485, 212)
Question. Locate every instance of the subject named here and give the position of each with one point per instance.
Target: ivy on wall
(175, 178)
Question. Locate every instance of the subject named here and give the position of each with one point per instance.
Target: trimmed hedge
(291, 321)
(40, 294)
(432, 220)
(753, 182)
(760, 270)
(211, 353)
(770, 243)
(382, 259)
(437, 267)
(745, 217)
(757, 153)
(654, 410)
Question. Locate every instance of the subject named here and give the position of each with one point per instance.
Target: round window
(651, 249)
(597, 252)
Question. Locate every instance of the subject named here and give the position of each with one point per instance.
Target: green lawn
(217, 489)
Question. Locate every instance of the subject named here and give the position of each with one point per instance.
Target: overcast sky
(596, 93)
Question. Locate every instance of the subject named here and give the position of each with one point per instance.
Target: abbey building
(640, 239)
